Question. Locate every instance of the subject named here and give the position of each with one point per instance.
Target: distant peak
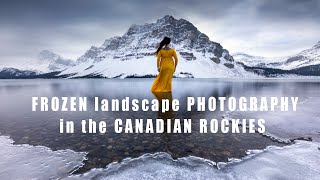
(45, 52)
(46, 55)
(239, 53)
(242, 54)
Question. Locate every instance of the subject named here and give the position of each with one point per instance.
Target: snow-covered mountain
(133, 54)
(46, 65)
(12, 73)
(47, 62)
(305, 58)
(305, 63)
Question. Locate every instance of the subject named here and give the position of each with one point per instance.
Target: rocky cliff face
(133, 54)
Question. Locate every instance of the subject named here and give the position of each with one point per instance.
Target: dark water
(42, 128)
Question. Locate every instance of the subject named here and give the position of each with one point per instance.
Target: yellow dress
(166, 63)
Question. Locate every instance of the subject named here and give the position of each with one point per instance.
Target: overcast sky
(70, 27)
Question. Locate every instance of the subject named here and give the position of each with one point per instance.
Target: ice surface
(35, 162)
(298, 161)
(303, 123)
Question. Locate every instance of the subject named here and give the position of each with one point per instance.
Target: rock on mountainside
(133, 54)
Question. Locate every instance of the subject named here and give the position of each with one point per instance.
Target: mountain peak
(116, 56)
(166, 18)
(181, 31)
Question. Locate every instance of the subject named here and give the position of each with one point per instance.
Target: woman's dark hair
(166, 40)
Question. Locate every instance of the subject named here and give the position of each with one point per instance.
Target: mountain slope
(133, 54)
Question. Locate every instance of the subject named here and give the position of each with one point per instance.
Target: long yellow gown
(166, 63)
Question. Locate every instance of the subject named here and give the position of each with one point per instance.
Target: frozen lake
(183, 156)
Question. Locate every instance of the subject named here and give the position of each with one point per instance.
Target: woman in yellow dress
(166, 67)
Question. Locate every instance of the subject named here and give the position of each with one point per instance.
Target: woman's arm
(175, 59)
(158, 60)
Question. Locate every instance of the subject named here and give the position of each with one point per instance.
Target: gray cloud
(290, 9)
(261, 27)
